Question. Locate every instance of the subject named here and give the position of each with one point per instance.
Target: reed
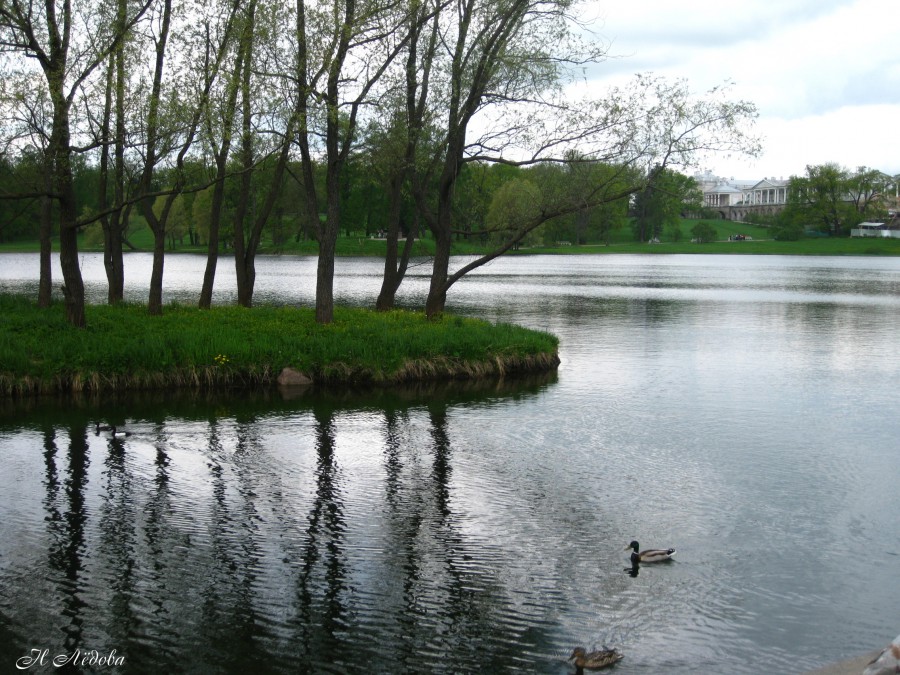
(124, 348)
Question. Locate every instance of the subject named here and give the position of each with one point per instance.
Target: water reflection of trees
(449, 609)
(118, 541)
(67, 517)
(241, 563)
(322, 604)
(230, 625)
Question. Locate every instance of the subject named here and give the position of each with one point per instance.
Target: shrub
(787, 232)
(703, 233)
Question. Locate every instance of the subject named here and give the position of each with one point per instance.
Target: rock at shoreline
(290, 377)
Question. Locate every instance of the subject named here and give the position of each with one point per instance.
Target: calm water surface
(742, 409)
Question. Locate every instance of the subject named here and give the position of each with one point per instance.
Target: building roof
(725, 187)
(770, 183)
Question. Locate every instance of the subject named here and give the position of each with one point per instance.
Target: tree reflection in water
(210, 542)
(320, 585)
(68, 533)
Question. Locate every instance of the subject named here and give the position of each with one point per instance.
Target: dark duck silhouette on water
(594, 660)
(116, 433)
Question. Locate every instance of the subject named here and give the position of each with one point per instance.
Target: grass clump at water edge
(123, 347)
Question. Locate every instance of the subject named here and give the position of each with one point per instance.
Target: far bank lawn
(620, 241)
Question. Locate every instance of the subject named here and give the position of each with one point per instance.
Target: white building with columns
(735, 199)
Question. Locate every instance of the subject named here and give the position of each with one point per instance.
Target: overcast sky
(824, 74)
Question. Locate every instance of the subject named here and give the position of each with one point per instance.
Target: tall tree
(340, 52)
(219, 127)
(505, 62)
(173, 117)
(869, 189)
(402, 140)
(155, 133)
(112, 139)
(249, 223)
(821, 198)
(667, 195)
(68, 42)
(346, 46)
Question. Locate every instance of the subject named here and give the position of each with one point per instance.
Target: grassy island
(124, 348)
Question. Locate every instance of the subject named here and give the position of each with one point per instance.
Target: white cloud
(851, 136)
(823, 74)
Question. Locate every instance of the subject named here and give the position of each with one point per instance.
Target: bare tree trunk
(73, 283)
(112, 221)
(212, 242)
(245, 270)
(327, 244)
(437, 289)
(45, 285)
(245, 251)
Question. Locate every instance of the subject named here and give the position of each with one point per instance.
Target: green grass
(811, 247)
(621, 241)
(760, 244)
(123, 347)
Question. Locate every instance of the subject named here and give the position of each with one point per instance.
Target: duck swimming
(115, 433)
(650, 555)
(594, 660)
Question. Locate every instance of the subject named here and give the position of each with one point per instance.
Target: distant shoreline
(758, 243)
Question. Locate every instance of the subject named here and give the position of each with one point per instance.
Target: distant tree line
(219, 120)
(830, 199)
(489, 199)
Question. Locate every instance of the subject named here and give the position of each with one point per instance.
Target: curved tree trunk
(325, 267)
(390, 282)
(437, 290)
(396, 262)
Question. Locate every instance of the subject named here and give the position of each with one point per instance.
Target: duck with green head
(649, 555)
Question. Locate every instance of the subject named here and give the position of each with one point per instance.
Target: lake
(742, 409)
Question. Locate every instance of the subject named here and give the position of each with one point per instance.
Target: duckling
(650, 555)
(594, 660)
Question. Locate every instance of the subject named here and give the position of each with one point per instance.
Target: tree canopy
(215, 119)
(832, 199)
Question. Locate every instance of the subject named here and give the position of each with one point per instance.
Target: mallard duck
(650, 555)
(594, 660)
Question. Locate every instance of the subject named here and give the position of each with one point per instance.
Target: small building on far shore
(889, 230)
